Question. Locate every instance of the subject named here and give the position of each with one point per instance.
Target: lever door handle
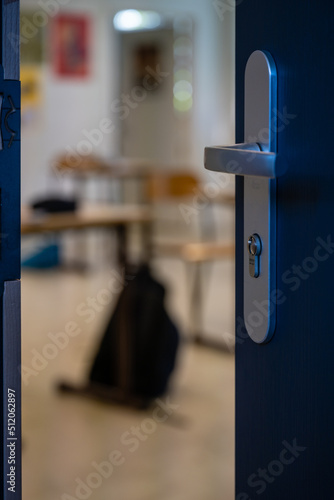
(244, 159)
(257, 160)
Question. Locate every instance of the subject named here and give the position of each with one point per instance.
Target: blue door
(10, 473)
(285, 387)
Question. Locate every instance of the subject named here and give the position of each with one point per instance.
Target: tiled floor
(70, 443)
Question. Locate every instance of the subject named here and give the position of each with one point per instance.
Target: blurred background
(119, 100)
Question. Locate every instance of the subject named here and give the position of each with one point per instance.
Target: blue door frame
(10, 346)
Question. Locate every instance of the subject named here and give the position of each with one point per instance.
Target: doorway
(188, 110)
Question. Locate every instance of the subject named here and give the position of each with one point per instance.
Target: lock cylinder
(254, 251)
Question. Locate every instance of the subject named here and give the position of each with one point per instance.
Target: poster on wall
(71, 45)
(31, 85)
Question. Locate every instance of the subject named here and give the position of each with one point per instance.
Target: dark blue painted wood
(10, 436)
(284, 390)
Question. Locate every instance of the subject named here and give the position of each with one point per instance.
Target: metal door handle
(257, 160)
(243, 159)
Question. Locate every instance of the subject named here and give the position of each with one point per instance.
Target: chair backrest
(166, 185)
(80, 164)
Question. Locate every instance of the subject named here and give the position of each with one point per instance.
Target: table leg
(122, 247)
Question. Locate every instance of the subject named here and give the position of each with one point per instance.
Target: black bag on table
(138, 349)
(55, 205)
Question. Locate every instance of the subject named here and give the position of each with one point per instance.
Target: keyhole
(254, 250)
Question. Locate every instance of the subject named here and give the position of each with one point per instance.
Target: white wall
(71, 107)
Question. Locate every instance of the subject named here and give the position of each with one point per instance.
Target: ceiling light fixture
(135, 20)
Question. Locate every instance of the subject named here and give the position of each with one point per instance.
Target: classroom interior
(119, 100)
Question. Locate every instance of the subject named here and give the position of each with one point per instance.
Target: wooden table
(89, 216)
(91, 167)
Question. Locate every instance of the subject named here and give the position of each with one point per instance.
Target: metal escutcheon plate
(260, 197)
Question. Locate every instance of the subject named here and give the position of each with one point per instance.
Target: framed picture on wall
(71, 45)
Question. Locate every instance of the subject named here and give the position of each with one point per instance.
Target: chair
(181, 188)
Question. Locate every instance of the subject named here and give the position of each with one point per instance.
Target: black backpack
(138, 349)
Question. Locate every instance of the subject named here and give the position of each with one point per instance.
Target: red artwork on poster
(70, 44)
